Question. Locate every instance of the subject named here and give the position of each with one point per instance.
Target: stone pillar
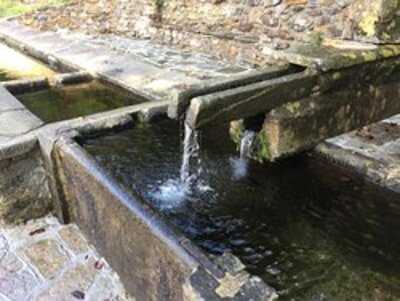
(376, 21)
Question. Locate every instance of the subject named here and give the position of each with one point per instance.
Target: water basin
(308, 228)
(75, 101)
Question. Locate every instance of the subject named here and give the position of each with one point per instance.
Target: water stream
(309, 229)
(246, 144)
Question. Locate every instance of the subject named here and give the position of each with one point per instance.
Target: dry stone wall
(231, 29)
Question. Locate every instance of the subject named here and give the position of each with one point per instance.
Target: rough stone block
(303, 124)
(375, 21)
(24, 188)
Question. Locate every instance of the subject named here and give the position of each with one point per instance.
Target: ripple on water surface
(310, 230)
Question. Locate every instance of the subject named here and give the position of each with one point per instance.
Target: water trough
(167, 249)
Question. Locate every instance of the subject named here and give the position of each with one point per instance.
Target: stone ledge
(373, 152)
(334, 54)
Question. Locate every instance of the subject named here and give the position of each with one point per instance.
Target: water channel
(307, 227)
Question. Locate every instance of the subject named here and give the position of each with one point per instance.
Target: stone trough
(46, 170)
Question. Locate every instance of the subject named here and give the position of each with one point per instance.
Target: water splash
(174, 192)
(240, 165)
(171, 194)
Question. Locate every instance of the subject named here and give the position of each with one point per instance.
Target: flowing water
(74, 101)
(311, 230)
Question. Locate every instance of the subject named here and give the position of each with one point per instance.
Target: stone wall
(230, 29)
(24, 189)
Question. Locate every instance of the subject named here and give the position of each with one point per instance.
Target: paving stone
(22, 235)
(77, 279)
(39, 242)
(17, 286)
(74, 239)
(47, 256)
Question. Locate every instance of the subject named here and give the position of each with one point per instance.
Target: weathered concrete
(301, 125)
(44, 260)
(155, 261)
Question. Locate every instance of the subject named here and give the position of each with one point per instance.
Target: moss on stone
(263, 150)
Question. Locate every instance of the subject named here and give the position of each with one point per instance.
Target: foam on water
(170, 194)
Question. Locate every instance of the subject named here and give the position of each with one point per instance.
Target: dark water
(75, 101)
(308, 229)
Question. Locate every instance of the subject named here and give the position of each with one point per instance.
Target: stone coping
(333, 54)
(373, 152)
(15, 119)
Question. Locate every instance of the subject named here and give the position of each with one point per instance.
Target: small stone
(271, 3)
(78, 295)
(269, 20)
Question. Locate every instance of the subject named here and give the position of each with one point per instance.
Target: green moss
(10, 8)
(263, 152)
(236, 131)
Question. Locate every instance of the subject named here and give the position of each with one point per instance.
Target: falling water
(240, 165)
(246, 144)
(190, 153)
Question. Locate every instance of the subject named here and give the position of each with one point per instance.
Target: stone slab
(333, 54)
(374, 152)
(18, 122)
(152, 71)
